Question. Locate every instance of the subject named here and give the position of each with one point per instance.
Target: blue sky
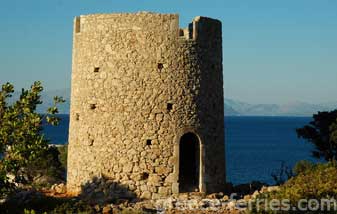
(274, 51)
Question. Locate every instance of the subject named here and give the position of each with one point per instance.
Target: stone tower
(147, 104)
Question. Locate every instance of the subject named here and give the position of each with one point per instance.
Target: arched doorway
(189, 163)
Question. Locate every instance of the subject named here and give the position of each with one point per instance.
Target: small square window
(160, 66)
(144, 175)
(148, 142)
(92, 106)
(96, 69)
(169, 107)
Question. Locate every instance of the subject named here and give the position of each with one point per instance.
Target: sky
(273, 51)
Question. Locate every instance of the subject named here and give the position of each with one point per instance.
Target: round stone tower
(147, 104)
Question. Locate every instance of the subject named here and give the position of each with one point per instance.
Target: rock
(154, 179)
(155, 196)
(170, 178)
(226, 198)
(231, 205)
(146, 195)
(175, 188)
(163, 191)
(264, 189)
(97, 208)
(247, 197)
(211, 196)
(273, 188)
(255, 194)
(183, 196)
(60, 188)
(215, 195)
(107, 209)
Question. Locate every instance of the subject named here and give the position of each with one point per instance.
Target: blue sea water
(255, 146)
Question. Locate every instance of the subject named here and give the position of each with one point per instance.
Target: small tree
(21, 140)
(333, 130)
(320, 132)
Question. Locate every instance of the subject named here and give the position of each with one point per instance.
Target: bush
(46, 169)
(312, 182)
(322, 133)
(23, 147)
(46, 205)
(63, 155)
(303, 166)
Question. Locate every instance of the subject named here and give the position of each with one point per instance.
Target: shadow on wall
(104, 190)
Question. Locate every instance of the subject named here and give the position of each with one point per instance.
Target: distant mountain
(288, 109)
(229, 110)
(232, 107)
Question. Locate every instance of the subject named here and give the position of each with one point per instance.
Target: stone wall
(138, 84)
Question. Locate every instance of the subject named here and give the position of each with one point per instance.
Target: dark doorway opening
(189, 163)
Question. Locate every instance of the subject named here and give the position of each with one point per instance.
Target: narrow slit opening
(92, 106)
(169, 107)
(96, 69)
(78, 25)
(160, 66)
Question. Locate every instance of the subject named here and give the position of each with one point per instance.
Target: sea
(256, 147)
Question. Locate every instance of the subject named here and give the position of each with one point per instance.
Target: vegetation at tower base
(322, 132)
(25, 157)
(63, 154)
(313, 181)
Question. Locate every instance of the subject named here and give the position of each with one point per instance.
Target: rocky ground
(184, 203)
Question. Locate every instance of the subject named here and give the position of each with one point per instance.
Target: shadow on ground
(94, 195)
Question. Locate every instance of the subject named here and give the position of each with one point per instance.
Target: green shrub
(319, 182)
(22, 143)
(70, 207)
(312, 182)
(63, 155)
(322, 133)
(47, 205)
(132, 211)
(303, 166)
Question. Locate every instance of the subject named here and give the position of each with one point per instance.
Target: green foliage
(312, 182)
(5, 186)
(47, 205)
(70, 207)
(31, 212)
(63, 150)
(322, 133)
(131, 211)
(21, 141)
(319, 182)
(303, 166)
(48, 166)
(333, 130)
